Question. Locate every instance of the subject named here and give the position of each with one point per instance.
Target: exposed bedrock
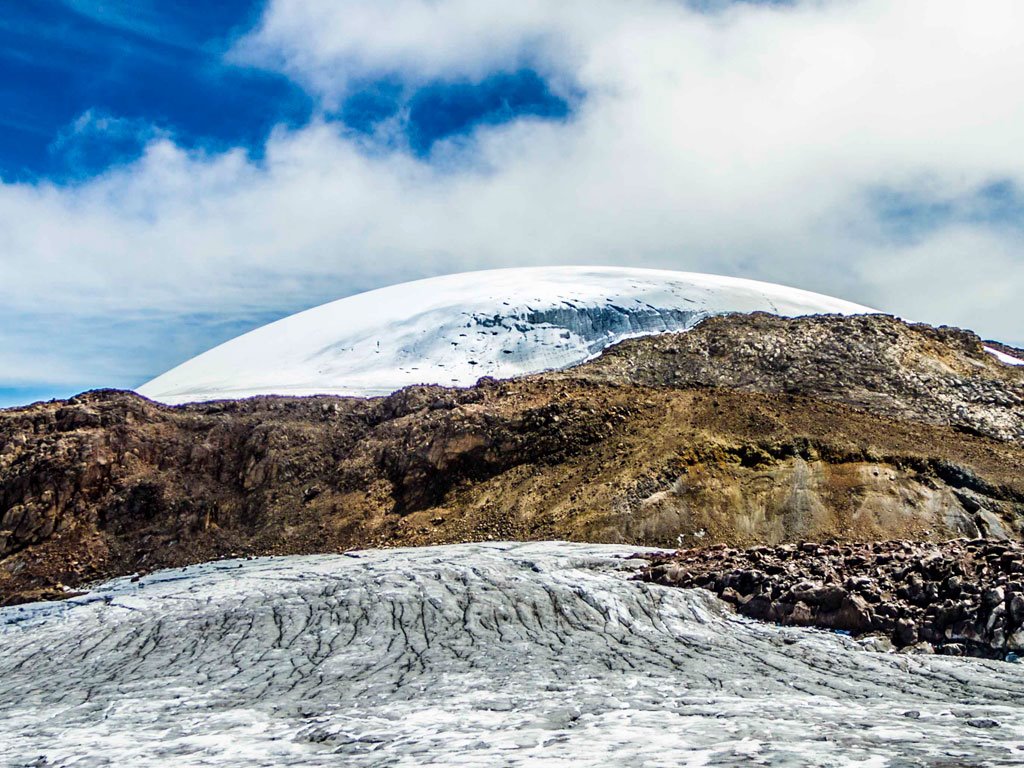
(109, 483)
(909, 372)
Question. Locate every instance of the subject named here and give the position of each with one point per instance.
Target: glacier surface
(454, 329)
(496, 654)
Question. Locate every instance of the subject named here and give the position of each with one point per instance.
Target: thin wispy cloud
(863, 149)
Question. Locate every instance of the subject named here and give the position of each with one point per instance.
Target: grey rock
(906, 632)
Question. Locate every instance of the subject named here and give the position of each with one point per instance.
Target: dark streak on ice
(498, 654)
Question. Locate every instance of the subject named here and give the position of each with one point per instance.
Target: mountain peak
(454, 329)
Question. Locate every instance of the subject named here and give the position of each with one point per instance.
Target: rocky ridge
(909, 372)
(746, 430)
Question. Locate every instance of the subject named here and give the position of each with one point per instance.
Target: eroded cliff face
(807, 497)
(682, 439)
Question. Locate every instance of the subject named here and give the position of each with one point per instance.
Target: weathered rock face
(878, 363)
(958, 597)
(109, 483)
(790, 492)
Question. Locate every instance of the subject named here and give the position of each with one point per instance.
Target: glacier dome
(452, 330)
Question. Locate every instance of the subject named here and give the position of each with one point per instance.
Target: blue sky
(175, 173)
(87, 84)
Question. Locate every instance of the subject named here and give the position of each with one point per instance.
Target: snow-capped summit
(454, 329)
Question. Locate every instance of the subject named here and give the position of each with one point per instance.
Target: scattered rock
(957, 598)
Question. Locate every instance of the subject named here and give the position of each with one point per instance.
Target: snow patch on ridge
(1003, 357)
(454, 329)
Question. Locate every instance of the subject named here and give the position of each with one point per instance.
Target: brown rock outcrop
(617, 450)
(909, 372)
(961, 597)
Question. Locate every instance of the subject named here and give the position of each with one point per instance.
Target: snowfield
(1003, 357)
(454, 329)
(472, 655)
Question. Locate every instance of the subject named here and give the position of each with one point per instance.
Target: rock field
(963, 597)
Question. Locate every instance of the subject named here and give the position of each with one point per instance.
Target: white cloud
(744, 142)
(325, 45)
(967, 277)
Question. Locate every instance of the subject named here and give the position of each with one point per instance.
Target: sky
(175, 173)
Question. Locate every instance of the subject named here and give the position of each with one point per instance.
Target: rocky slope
(879, 364)
(749, 429)
(959, 597)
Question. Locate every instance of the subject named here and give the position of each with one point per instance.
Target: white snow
(1003, 357)
(454, 329)
(496, 654)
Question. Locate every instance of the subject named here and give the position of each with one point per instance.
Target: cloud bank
(864, 149)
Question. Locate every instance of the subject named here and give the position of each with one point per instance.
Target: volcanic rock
(958, 597)
(746, 430)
